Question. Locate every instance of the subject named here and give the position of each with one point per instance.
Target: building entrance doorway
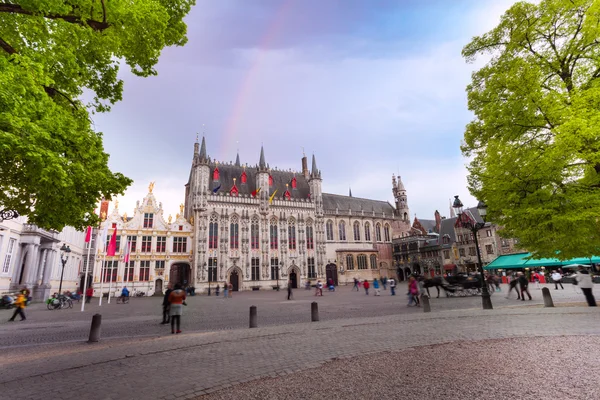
(293, 280)
(331, 272)
(180, 273)
(234, 279)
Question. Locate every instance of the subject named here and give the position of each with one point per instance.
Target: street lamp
(209, 277)
(64, 257)
(466, 222)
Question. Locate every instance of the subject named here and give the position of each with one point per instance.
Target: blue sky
(372, 87)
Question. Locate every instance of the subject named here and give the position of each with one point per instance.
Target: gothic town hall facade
(256, 227)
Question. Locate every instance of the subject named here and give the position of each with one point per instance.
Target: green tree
(534, 144)
(53, 167)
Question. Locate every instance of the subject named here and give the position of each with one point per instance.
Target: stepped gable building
(260, 227)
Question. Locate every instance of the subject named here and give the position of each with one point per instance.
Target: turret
(314, 183)
(401, 199)
(195, 189)
(262, 180)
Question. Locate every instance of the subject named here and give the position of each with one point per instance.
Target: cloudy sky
(371, 87)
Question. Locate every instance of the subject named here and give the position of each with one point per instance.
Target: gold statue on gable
(116, 203)
(181, 208)
(124, 217)
(150, 187)
(170, 218)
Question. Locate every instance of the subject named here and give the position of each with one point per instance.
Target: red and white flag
(127, 251)
(112, 245)
(88, 234)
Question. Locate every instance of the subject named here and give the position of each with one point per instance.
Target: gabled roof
(229, 171)
(331, 202)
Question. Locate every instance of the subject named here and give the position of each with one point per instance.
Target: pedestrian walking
(557, 278)
(366, 286)
(524, 284)
(290, 294)
(166, 306)
(225, 290)
(230, 289)
(176, 301)
(513, 285)
(218, 290)
(392, 283)
(20, 304)
(375, 287)
(356, 282)
(383, 282)
(585, 282)
(413, 291)
(319, 289)
(89, 293)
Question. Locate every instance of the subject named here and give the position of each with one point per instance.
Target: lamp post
(64, 257)
(466, 222)
(209, 277)
(277, 270)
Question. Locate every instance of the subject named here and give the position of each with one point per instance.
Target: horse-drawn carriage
(456, 285)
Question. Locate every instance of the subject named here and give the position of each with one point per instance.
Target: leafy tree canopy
(53, 167)
(534, 143)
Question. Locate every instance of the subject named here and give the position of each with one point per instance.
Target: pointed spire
(350, 191)
(203, 158)
(400, 184)
(262, 165)
(237, 159)
(314, 173)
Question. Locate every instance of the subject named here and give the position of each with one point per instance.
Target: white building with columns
(31, 258)
(256, 227)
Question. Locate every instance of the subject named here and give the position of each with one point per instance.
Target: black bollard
(425, 301)
(253, 317)
(547, 297)
(314, 311)
(95, 329)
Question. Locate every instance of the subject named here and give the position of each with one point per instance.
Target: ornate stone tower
(196, 203)
(316, 195)
(401, 199)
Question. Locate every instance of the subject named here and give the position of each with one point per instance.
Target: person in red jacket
(88, 294)
(366, 285)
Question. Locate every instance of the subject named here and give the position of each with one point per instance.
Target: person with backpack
(366, 286)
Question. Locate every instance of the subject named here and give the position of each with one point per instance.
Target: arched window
(373, 261)
(342, 228)
(273, 234)
(386, 232)
(329, 226)
(368, 232)
(310, 241)
(213, 233)
(234, 233)
(254, 243)
(292, 234)
(378, 232)
(361, 260)
(406, 216)
(349, 262)
(356, 231)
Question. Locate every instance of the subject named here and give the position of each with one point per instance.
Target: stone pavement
(141, 316)
(192, 364)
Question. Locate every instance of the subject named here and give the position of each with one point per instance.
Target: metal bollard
(547, 297)
(425, 301)
(253, 317)
(314, 311)
(95, 329)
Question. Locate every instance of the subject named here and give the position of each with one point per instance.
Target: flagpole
(85, 274)
(110, 279)
(102, 267)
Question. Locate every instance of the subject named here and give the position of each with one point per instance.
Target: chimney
(438, 221)
(305, 167)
